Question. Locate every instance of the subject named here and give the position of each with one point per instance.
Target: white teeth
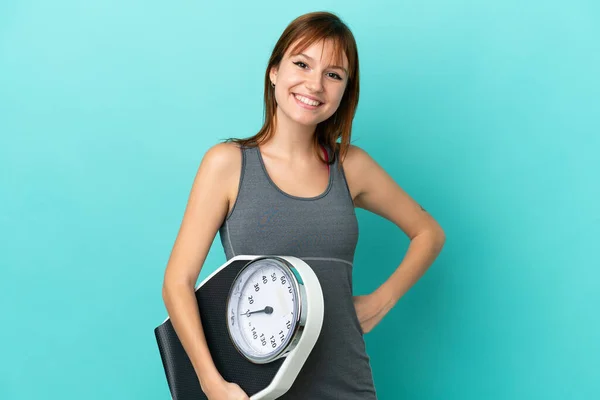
(307, 101)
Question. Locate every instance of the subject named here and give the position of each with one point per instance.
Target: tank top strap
(253, 172)
(341, 189)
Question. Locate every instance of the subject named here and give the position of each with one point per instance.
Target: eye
(330, 74)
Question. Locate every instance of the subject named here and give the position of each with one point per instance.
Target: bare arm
(206, 209)
(374, 190)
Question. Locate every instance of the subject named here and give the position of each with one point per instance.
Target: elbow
(175, 282)
(436, 237)
(165, 291)
(439, 238)
(172, 284)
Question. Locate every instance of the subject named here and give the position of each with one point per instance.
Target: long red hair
(308, 29)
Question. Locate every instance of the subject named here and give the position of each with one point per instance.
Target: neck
(290, 138)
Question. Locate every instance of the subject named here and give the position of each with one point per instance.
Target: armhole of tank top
(341, 165)
(237, 196)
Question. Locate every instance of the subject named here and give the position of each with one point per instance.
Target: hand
(226, 391)
(370, 310)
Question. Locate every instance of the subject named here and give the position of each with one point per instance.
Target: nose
(314, 84)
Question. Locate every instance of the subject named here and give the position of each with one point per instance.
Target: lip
(310, 97)
(303, 105)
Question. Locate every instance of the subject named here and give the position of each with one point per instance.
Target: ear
(273, 74)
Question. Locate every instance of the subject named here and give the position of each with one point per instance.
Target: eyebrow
(331, 66)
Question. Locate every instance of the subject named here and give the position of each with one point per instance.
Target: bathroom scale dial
(264, 309)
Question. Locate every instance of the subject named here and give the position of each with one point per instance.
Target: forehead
(326, 50)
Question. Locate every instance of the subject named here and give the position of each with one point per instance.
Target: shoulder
(221, 155)
(222, 160)
(223, 163)
(356, 163)
(354, 157)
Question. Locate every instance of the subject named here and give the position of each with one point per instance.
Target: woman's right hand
(226, 391)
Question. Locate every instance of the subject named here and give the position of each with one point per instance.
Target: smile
(306, 102)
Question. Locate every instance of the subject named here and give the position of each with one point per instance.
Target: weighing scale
(261, 317)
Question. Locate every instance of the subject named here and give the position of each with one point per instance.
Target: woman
(291, 190)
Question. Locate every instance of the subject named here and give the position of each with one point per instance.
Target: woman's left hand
(370, 310)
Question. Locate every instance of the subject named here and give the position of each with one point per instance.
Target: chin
(304, 118)
(307, 122)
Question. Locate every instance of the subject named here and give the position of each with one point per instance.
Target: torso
(307, 181)
(304, 211)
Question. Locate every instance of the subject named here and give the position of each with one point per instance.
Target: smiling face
(309, 86)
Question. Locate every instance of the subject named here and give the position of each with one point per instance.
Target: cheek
(292, 81)
(338, 95)
(288, 75)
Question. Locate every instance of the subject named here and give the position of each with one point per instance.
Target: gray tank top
(323, 231)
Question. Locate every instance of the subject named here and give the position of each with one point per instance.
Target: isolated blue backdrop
(487, 113)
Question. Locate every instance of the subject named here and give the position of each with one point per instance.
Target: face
(309, 86)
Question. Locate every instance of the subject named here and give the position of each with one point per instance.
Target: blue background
(487, 113)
